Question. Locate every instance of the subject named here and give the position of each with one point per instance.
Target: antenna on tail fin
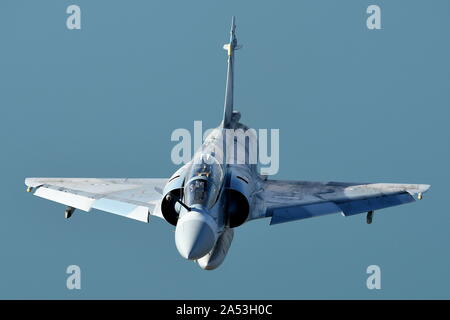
(230, 47)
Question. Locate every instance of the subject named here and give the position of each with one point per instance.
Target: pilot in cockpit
(204, 181)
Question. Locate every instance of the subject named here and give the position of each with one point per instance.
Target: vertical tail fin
(230, 47)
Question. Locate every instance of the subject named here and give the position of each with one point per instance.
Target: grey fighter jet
(207, 198)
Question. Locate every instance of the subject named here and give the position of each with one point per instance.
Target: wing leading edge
(293, 200)
(131, 198)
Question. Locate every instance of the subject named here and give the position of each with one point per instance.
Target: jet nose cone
(195, 235)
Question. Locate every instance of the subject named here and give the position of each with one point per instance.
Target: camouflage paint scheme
(207, 198)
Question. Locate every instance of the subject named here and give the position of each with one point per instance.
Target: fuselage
(218, 190)
(204, 228)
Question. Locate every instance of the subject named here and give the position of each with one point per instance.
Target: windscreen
(204, 181)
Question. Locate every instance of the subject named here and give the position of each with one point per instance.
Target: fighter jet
(212, 195)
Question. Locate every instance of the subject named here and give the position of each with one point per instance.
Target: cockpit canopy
(204, 181)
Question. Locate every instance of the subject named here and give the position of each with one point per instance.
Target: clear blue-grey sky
(351, 104)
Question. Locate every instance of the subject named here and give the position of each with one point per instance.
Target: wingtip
(33, 182)
(419, 190)
(416, 188)
(29, 184)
